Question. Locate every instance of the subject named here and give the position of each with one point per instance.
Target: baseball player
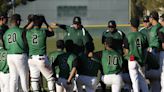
(136, 45)
(116, 34)
(111, 62)
(3, 24)
(4, 70)
(152, 71)
(154, 46)
(38, 61)
(146, 27)
(16, 54)
(162, 52)
(52, 57)
(88, 70)
(77, 33)
(67, 63)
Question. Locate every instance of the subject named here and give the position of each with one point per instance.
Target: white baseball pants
(41, 64)
(4, 79)
(113, 80)
(18, 67)
(137, 77)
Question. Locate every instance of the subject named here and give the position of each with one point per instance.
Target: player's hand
(149, 49)
(54, 24)
(69, 82)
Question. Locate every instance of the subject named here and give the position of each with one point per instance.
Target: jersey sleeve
(56, 62)
(103, 38)
(98, 55)
(49, 34)
(145, 42)
(75, 63)
(64, 27)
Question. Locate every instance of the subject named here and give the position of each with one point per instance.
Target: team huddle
(128, 63)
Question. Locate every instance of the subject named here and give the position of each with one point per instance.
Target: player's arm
(125, 46)
(103, 38)
(62, 26)
(73, 71)
(161, 37)
(25, 40)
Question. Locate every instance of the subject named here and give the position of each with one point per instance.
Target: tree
(141, 7)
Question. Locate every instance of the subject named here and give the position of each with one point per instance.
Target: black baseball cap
(154, 15)
(146, 19)
(76, 20)
(3, 15)
(112, 24)
(135, 22)
(16, 17)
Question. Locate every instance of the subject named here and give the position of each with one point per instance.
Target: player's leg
(34, 75)
(116, 82)
(79, 83)
(59, 88)
(162, 69)
(127, 81)
(5, 81)
(1, 84)
(13, 73)
(45, 68)
(142, 83)
(22, 68)
(133, 72)
(154, 77)
(68, 87)
(91, 85)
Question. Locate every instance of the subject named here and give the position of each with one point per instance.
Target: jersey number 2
(35, 39)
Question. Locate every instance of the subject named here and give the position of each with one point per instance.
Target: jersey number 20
(12, 38)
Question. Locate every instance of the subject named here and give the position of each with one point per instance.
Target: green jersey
(88, 65)
(137, 42)
(154, 39)
(146, 32)
(118, 37)
(36, 39)
(79, 37)
(65, 62)
(14, 40)
(52, 57)
(111, 61)
(3, 61)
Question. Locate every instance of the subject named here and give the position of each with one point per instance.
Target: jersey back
(13, 40)
(36, 39)
(88, 66)
(111, 62)
(137, 41)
